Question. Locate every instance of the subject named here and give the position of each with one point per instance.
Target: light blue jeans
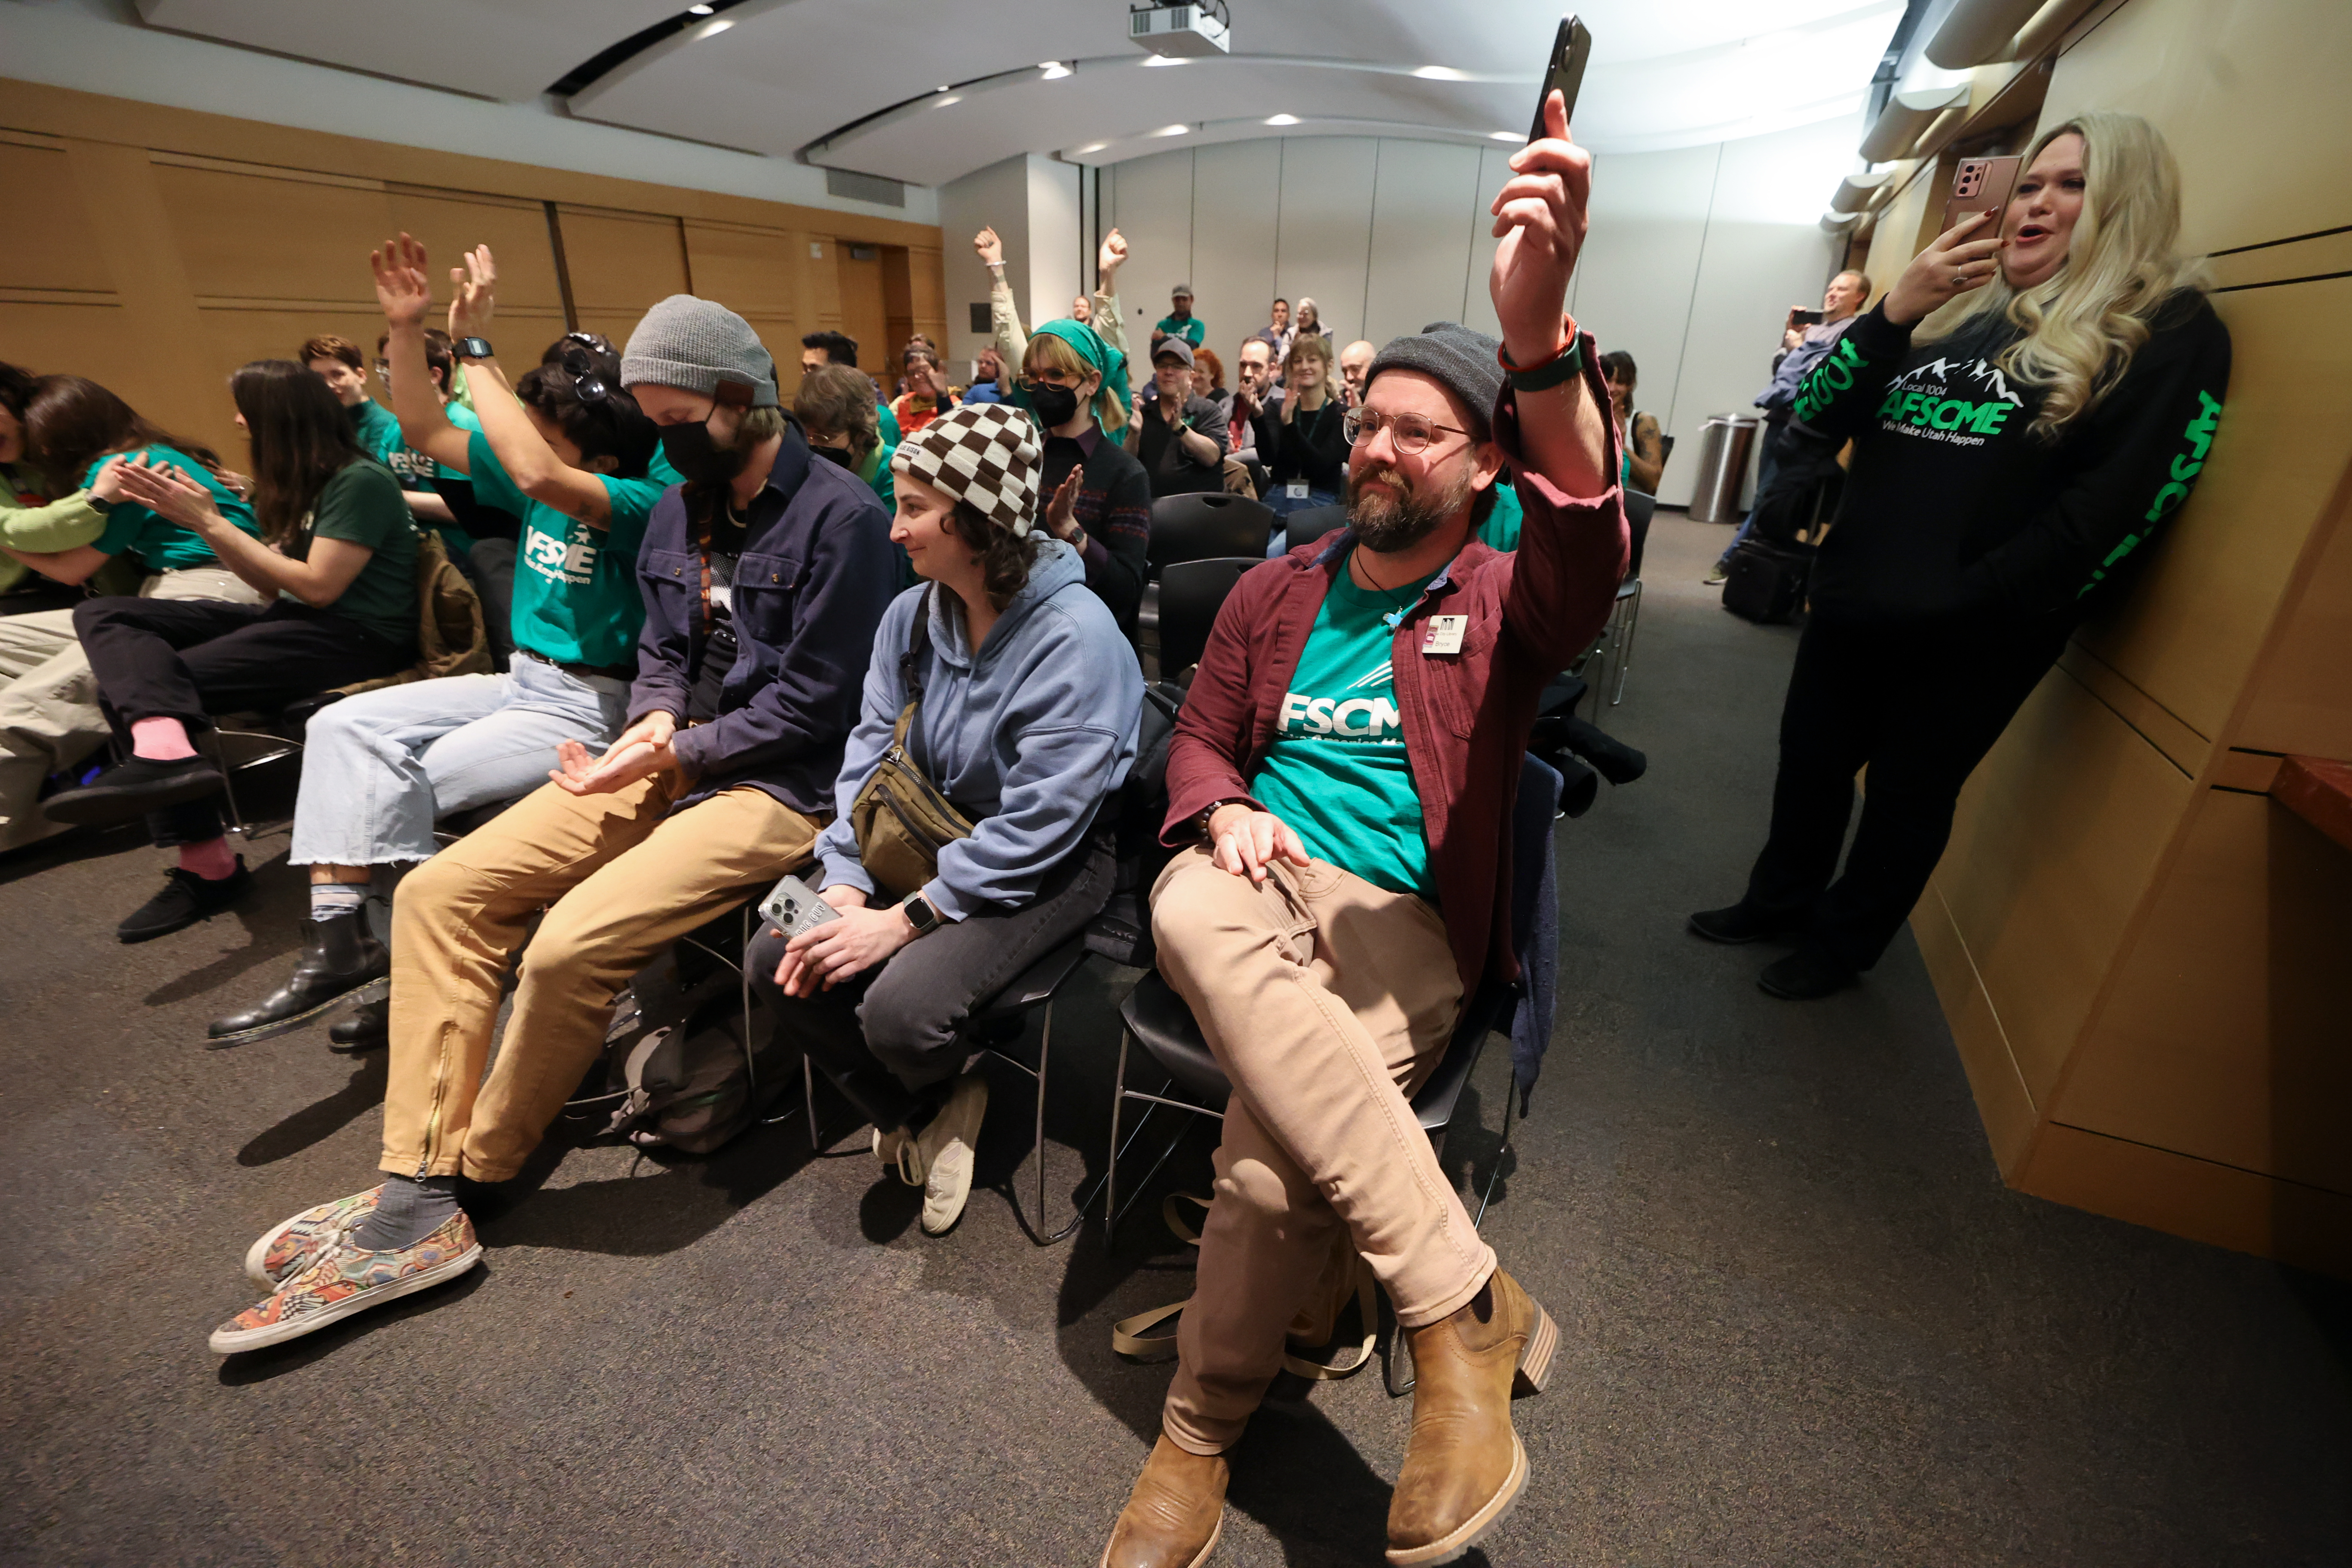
(378, 768)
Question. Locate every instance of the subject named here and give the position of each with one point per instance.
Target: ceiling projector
(1185, 31)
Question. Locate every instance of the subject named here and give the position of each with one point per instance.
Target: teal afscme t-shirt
(575, 587)
(1337, 770)
(157, 540)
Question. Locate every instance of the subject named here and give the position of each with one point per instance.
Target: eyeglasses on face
(1032, 380)
(1411, 433)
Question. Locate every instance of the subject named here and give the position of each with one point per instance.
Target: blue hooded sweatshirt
(1027, 739)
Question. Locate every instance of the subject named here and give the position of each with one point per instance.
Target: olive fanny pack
(901, 819)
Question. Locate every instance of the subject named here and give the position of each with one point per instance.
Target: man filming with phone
(1804, 344)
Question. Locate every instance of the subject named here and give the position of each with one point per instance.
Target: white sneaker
(945, 1148)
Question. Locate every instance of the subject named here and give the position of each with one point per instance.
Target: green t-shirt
(161, 543)
(362, 505)
(1189, 329)
(575, 587)
(891, 435)
(1501, 528)
(1336, 771)
(378, 429)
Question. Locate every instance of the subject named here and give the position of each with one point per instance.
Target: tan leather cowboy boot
(1175, 1514)
(1463, 1465)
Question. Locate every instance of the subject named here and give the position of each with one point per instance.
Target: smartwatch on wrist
(920, 915)
(100, 505)
(474, 348)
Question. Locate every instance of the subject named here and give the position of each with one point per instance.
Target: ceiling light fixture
(1283, 120)
(1092, 147)
(1173, 130)
(712, 28)
(699, 10)
(1441, 73)
(1162, 60)
(943, 103)
(1504, 136)
(1054, 69)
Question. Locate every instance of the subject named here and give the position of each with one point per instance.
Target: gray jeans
(378, 768)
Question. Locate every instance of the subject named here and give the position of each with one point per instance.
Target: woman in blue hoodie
(1028, 699)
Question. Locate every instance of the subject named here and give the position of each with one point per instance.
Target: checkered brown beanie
(984, 453)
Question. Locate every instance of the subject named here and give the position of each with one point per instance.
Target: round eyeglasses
(1411, 433)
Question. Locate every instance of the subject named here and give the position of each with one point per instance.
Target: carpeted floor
(1805, 1324)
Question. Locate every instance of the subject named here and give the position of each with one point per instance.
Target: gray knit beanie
(1463, 361)
(694, 345)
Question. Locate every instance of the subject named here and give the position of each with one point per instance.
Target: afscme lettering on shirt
(1352, 718)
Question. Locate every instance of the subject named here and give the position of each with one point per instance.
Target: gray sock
(330, 898)
(406, 1212)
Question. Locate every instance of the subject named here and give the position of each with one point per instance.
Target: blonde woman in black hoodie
(2009, 470)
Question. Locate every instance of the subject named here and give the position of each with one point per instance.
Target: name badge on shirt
(1295, 490)
(1444, 633)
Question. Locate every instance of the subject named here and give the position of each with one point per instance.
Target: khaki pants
(1327, 1001)
(50, 718)
(624, 877)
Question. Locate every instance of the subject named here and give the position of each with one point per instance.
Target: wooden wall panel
(863, 315)
(756, 274)
(52, 257)
(926, 277)
(619, 263)
(2058, 835)
(247, 233)
(898, 300)
(2302, 705)
(2225, 1036)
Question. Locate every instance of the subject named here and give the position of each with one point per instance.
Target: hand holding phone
(1563, 71)
(793, 907)
(1980, 185)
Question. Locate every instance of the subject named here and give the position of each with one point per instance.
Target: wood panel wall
(157, 250)
(2143, 958)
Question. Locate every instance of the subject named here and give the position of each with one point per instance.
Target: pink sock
(159, 740)
(211, 859)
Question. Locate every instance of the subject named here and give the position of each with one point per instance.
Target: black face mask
(698, 459)
(1057, 405)
(832, 454)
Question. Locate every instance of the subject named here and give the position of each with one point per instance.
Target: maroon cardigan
(1466, 715)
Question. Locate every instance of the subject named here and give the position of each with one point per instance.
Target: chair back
(1639, 507)
(1190, 595)
(1207, 523)
(1312, 522)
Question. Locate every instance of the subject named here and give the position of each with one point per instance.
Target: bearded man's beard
(1390, 522)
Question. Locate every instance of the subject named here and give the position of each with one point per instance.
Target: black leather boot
(368, 1027)
(343, 956)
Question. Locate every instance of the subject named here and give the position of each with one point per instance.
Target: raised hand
(1951, 266)
(991, 248)
(1113, 255)
(1539, 216)
(402, 286)
(474, 298)
(1062, 510)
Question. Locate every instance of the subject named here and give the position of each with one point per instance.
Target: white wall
(1694, 257)
(1053, 239)
(995, 197)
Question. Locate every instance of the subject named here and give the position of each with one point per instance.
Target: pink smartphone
(1980, 185)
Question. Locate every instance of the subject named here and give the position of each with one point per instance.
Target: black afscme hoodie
(1955, 507)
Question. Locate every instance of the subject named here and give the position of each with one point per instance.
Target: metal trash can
(1723, 452)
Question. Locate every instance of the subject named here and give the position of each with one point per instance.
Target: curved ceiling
(857, 84)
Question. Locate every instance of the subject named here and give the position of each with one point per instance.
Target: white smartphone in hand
(793, 907)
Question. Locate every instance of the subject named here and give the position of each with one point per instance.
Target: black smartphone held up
(1980, 185)
(1800, 317)
(1563, 73)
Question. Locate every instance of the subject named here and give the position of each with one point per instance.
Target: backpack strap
(910, 678)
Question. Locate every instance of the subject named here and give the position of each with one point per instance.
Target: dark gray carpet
(1805, 1323)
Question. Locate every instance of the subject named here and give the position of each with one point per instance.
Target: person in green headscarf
(1094, 494)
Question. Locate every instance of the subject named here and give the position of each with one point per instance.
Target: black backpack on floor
(1766, 583)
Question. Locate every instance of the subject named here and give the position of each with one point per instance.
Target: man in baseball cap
(763, 577)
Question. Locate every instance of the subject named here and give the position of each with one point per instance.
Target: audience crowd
(586, 657)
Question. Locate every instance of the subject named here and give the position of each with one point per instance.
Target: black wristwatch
(920, 915)
(100, 505)
(474, 348)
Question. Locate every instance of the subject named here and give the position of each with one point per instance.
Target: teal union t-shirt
(161, 543)
(1337, 768)
(575, 587)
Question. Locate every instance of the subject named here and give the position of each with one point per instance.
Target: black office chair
(1313, 523)
(1209, 523)
(1190, 595)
